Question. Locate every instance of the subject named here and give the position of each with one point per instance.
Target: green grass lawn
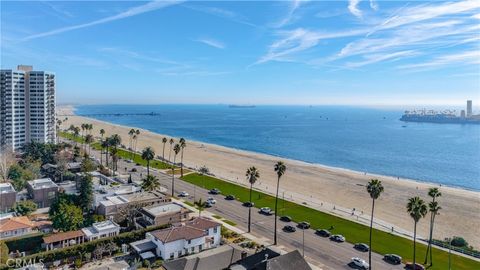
(383, 242)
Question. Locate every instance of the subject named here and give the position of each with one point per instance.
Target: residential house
(15, 227)
(214, 259)
(63, 239)
(157, 215)
(8, 197)
(190, 237)
(102, 229)
(112, 206)
(269, 259)
(42, 191)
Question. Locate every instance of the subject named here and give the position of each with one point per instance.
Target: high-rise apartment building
(27, 107)
(469, 108)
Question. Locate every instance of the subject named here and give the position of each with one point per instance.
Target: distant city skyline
(373, 53)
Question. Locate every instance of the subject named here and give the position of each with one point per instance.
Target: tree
(150, 183)
(201, 205)
(164, 141)
(102, 132)
(176, 149)
(434, 208)
(25, 208)
(203, 171)
(252, 176)
(61, 160)
(280, 169)
(114, 156)
(130, 135)
(183, 144)
(374, 188)
(88, 165)
(104, 145)
(88, 140)
(148, 154)
(417, 209)
(68, 217)
(86, 192)
(7, 159)
(170, 152)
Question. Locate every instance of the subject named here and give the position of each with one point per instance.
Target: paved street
(319, 251)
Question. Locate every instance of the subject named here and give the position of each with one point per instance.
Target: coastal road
(319, 251)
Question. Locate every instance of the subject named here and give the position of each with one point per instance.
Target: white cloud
(375, 58)
(463, 58)
(374, 5)
(222, 13)
(293, 6)
(212, 42)
(150, 6)
(353, 8)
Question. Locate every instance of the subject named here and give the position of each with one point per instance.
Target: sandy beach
(460, 214)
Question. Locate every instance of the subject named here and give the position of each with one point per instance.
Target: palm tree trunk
(173, 178)
(370, 242)
(101, 156)
(431, 235)
(163, 152)
(276, 203)
(106, 157)
(429, 239)
(181, 165)
(148, 167)
(250, 208)
(414, 244)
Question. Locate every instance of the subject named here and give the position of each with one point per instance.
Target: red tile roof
(15, 223)
(62, 236)
(193, 229)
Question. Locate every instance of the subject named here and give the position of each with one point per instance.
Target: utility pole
(303, 232)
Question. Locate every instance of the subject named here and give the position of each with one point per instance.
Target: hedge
(25, 243)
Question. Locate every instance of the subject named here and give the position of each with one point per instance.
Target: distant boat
(241, 106)
(404, 126)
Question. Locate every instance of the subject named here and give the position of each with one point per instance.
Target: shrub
(458, 241)
(28, 243)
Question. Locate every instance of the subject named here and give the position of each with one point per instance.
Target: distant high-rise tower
(469, 108)
(27, 107)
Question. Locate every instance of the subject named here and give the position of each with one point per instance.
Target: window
(215, 230)
(171, 255)
(189, 242)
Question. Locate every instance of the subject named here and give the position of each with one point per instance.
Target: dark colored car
(248, 204)
(361, 246)
(214, 191)
(392, 258)
(324, 233)
(133, 170)
(304, 225)
(417, 266)
(230, 197)
(289, 228)
(286, 218)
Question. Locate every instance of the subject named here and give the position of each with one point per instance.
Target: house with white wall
(102, 229)
(187, 238)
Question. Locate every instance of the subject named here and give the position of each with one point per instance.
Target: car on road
(289, 228)
(304, 225)
(214, 191)
(211, 200)
(360, 263)
(337, 238)
(230, 197)
(392, 258)
(286, 218)
(417, 266)
(361, 247)
(248, 204)
(266, 211)
(183, 194)
(208, 204)
(323, 232)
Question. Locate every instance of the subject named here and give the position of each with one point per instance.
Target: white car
(183, 194)
(360, 263)
(266, 210)
(211, 200)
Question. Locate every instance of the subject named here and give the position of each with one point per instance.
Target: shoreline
(321, 183)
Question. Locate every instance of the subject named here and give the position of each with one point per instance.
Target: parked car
(361, 246)
(304, 225)
(324, 233)
(392, 258)
(286, 218)
(248, 204)
(230, 197)
(211, 200)
(208, 204)
(183, 194)
(337, 238)
(361, 263)
(417, 266)
(289, 228)
(266, 211)
(215, 191)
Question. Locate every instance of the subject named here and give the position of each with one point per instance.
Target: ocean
(360, 139)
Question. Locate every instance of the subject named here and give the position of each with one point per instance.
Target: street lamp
(449, 240)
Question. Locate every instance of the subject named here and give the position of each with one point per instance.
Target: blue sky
(246, 52)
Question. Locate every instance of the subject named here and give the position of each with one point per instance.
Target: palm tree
(183, 144)
(76, 132)
(280, 170)
(417, 209)
(374, 188)
(148, 154)
(203, 171)
(176, 149)
(171, 145)
(150, 183)
(89, 140)
(130, 134)
(434, 208)
(114, 155)
(164, 141)
(201, 205)
(252, 176)
(104, 146)
(115, 140)
(102, 132)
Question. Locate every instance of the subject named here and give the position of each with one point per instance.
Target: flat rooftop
(99, 227)
(163, 209)
(6, 188)
(42, 183)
